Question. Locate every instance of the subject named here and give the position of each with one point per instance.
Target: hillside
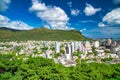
(39, 34)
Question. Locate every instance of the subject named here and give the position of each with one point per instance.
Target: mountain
(5, 28)
(7, 34)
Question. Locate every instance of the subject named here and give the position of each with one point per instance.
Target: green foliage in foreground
(41, 34)
(45, 69)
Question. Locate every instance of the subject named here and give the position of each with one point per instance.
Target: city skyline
(95, 19)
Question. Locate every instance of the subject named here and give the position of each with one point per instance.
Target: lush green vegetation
(40, 34)
(45, 69)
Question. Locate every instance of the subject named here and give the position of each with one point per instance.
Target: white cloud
(70, 28)
(19, 25)
(110, 24)
(69, 4)
(75, 12)
(38, 6)
(116, 1)
(113, 17)
(87, 21)
(90, 10)
(47, 26)
(6, 22)
(3, 18)
(84, 29)
(100, 24)
(54, 16)
(4, 4)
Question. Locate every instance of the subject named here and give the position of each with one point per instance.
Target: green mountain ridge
(7, 34)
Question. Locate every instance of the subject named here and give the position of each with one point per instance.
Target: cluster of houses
(65, 52)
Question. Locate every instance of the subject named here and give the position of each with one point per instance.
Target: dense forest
(38, 68)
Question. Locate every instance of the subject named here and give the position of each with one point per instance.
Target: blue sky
(94, 18)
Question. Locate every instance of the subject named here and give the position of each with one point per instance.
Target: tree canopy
(39, 68)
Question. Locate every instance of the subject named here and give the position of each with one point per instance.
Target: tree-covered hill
(40, 34)
(38, 68)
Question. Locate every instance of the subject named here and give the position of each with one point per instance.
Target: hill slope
(40, 34)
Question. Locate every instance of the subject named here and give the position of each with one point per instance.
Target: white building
(109, 41)
(73, 47)
(87, 44)
(68, 52)
(57, 47)
(96, 44)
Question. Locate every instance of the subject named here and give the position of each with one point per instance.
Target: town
(68, 53)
